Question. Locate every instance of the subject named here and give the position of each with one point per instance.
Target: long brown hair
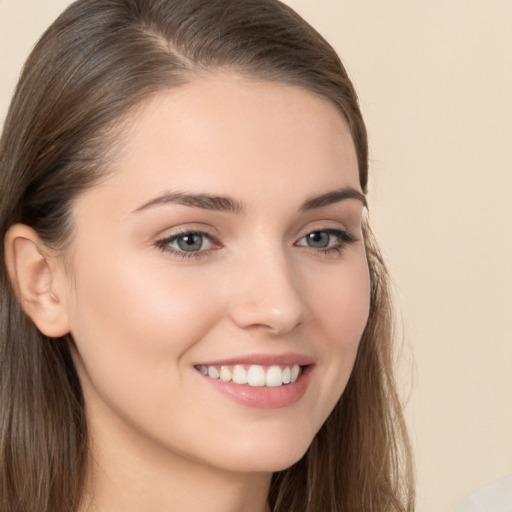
(97, 61)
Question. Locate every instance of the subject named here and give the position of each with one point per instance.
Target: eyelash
(164, 244)
(345, 238)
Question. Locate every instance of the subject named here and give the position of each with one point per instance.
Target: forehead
(234, 136)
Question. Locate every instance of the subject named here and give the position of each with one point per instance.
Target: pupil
(190, 242)
(318, 239)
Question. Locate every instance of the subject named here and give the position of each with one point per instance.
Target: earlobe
(36, 277)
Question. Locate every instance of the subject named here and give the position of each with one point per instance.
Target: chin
(267, 457)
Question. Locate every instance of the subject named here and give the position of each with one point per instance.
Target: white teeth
(274, 377)
(225, 374)
(213, 372)
(254, 375)
(239, 374)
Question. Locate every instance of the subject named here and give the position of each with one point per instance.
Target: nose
(267, 294)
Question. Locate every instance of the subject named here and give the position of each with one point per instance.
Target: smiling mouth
(253, 375)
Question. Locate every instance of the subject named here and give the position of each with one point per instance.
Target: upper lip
(286, 359)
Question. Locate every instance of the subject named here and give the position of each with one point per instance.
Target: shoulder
(495, 497)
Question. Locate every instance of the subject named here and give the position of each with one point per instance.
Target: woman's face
(227, 241)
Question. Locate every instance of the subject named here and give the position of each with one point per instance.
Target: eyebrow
(203, 201)
(332, 197)
(227, 204)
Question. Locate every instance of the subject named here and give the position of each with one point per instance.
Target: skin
(143, 317)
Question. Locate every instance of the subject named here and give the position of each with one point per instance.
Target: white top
(495, 497)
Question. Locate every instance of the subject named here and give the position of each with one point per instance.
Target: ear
(37, 274)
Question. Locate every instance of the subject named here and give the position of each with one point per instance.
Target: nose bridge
(268, 291)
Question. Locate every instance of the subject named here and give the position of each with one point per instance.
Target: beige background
(435, 81)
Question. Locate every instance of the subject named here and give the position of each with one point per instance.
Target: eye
(327, 240)
(187, 244)
(318, 239)
(190, 242)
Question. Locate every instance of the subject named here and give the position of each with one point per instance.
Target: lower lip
(263, 397)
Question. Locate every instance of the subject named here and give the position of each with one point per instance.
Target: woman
(194, 314)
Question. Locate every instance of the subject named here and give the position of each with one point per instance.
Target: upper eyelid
(174, 236)
(326, 225)
(181, 231)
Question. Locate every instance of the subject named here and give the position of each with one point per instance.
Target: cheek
(341, 311)
(134, 328)
(129, 315)
(342, 305)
